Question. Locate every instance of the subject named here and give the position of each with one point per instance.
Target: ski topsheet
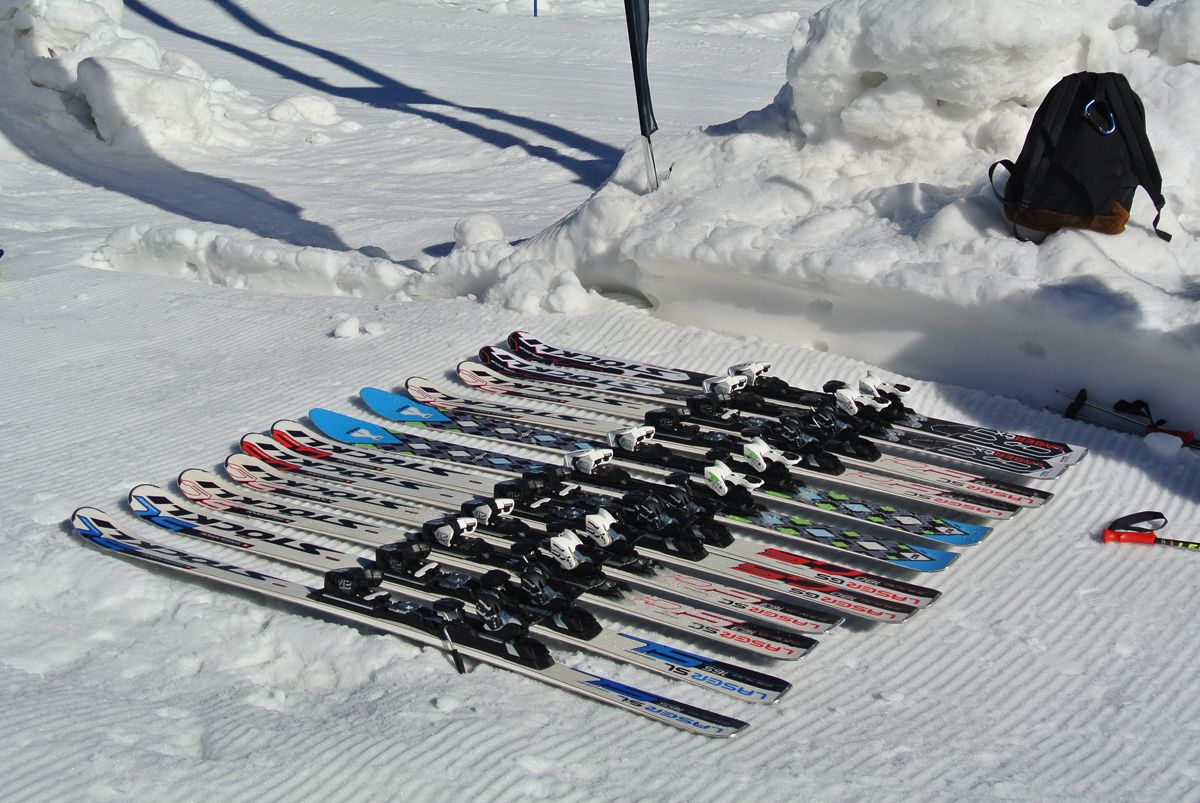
(531, 348)
(398, 618)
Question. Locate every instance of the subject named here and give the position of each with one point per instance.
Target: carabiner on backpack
(1095, 116)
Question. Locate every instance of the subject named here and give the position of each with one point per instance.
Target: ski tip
(934, 560)
(418, 382)
(967, 535)
(948, 539)
(398, 407)
(193, 474)
(655, 706)
(1076, 454)
(744, 683)
(1051, 473)
(87, 521)
(145, 489)
(96, 527)
(473, 375)
(465, 367)
(348, 429)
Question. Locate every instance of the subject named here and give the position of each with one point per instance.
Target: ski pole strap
(1076, 404)
(1141, 409)
(1138, 408)
(1136, 528)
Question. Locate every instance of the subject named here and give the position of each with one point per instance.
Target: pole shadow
(388, 93)
(140, 173)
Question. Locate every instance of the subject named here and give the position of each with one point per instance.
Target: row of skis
(705, 507)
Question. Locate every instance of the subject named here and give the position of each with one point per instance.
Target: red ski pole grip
(1126, 537)
(1136, 528)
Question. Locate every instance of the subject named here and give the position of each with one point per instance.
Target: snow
(217, 215)
(1162, 443)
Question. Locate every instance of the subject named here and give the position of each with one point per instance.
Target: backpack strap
(1115, 89)
(1009, 166)
(1053, 115)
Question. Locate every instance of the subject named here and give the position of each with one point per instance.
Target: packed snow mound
(932, 84)
(133, 92)
(479, 267)
(1179, 32)
(309, 108)
(475, 229)
(246, 263)
(127, 99)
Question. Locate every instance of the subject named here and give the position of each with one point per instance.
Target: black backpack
(1084, 158)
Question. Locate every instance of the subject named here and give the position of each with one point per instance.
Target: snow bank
(128, 88)
(181, 252)
(853, 212)
(480, 266)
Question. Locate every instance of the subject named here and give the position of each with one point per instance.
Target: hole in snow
(1033, 349)
(871, 79)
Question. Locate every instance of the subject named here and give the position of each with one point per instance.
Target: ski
(866, 424)
(271, 502)
(428, 626)
(770, 387)
(405, 571)
(723, 564)
(889, 473)
(741, 603)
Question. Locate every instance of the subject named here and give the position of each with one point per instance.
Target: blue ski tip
(81, 520)
(968, 534)
(398, 407)
(346, 429)
(935, 560)
(83, 524)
